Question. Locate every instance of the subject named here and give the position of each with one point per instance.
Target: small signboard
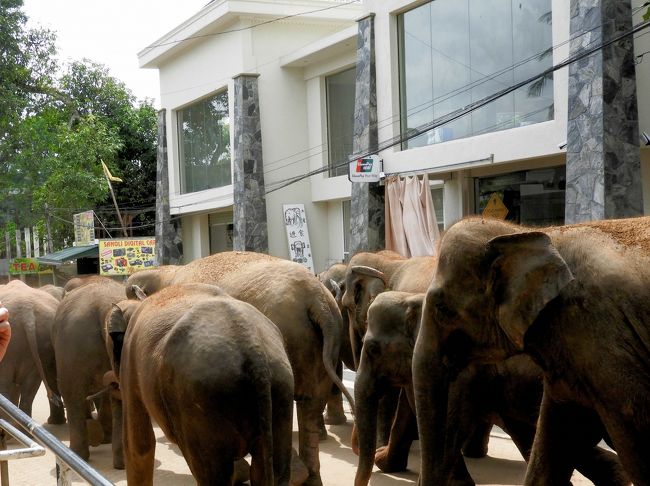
(84, 228)
(367, 169)
(126, 256)
(295, 222)
(23, 266)
(495, 208)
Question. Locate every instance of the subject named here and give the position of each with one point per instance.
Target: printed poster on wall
(84, 228)
(127, 255)
(295, 222)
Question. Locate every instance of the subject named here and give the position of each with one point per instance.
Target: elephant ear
(527, 272)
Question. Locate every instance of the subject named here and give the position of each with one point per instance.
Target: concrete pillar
(196, 237)
(168, 239)
(367, 207)
(603, 163)
(249, 212)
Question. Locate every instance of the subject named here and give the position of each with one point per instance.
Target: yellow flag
(109, 175)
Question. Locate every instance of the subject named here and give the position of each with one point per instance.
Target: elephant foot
(390, 463)
(118, 463)
(476, 446)
(334, 414)
(56, 419)
(299, 472)
(242, 471)
(322, 431)
(95, 432)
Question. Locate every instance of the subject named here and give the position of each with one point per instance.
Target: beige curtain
(411, 225)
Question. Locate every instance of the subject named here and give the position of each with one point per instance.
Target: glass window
(437, 193)
(532, 197)
(451, 55)
(204, 144)
(340, 119)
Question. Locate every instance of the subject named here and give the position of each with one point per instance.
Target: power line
(469, 108)
(266, 22)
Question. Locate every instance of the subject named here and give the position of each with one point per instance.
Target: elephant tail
(325, 314)
(32, 342)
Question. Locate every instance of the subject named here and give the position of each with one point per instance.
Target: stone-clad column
(249, 212)
(367, 206)
(603, 162)
(168, 239)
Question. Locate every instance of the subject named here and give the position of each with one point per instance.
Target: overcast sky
(112, 33)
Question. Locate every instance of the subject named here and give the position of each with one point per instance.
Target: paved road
(503, 466)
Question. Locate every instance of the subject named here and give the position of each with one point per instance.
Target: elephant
(507, 394)
(82, 361)
(332, 279)
(213, 373)
(54, 291)
(367, 275)
(295, 301)
(572, 298)
(30, 356)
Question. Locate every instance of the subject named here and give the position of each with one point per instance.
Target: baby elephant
(213, 374)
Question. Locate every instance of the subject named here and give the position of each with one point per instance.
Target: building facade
(265, 102)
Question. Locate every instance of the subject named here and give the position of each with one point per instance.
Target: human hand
(5, 331)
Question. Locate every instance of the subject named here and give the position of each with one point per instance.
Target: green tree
(56, 126)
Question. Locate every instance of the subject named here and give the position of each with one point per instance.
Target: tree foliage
(57, 123)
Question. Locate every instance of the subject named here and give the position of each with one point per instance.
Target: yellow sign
(126, 256)
(495, 208)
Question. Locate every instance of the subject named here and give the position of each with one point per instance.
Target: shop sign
(295, 222)
(126, 256)
(367, 169)
(495, 208)
(23, 266)
(84, 228)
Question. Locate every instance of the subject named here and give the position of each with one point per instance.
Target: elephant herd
(544, 332)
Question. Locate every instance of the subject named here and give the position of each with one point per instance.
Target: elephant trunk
(431, 388)
(367, 400)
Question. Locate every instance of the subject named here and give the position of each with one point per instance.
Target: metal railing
(66, 460)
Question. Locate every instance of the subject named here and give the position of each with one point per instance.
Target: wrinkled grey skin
(302, 308)
(82, 361)
(508, 394)
(54, 291)
(30, 355)
(213, 374)
(576, 302)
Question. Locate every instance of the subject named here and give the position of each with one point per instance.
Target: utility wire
(469, 108)
(266, 22)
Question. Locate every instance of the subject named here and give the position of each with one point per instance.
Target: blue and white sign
(367, 169)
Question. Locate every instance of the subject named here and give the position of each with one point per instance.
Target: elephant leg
(476, 445)
(140, 444)
(309, 416)
(602, 468)
(28, 389)
(105, 417)
(386, 414)
(282, 415)
(116, 437)
(551, 460)
(522, 434)
(77, 409)
(335, 415)
(394, 456)
(631, 441)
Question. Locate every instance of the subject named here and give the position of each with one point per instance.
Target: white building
(431, 58)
